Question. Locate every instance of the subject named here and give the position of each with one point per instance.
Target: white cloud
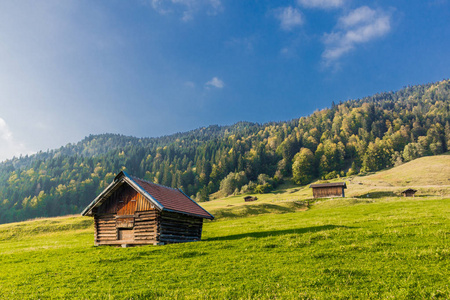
(289, 17)
(324, 4)
(8, 146)
(215, 82)
(189, 84)
(188, 8)
(359, 26)
(357, 16)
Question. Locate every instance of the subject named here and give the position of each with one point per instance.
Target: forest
(351, 137)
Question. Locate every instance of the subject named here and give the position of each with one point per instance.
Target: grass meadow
(379, 248)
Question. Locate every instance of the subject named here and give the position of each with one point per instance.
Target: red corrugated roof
(172, 199)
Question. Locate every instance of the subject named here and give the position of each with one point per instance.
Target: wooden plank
(106, 221)
(145, 223)
(112, 221)
(106, 240)
(180, 232)
(190, 220)
(146, 226)
(141, 236)
(181, 235)
(171, 236)
(171, 221)
(106, 215)
(180, 225)
(106, 228)
(107, 232)
(145, 219)
(178, 216)
(107, 236)
(145, 229)
(180, 229)
(144, 233)
(165, 220)
(142, 242)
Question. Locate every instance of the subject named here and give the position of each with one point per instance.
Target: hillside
(428, 175)
(384, 248)
(353, 137)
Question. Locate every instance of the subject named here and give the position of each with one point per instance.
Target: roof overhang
(325, 185)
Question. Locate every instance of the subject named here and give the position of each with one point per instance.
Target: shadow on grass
(263, 234)
(377, 195)
(258, 209)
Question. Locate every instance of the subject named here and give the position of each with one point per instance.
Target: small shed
(409, 193)
(132, 211)
(250, 198)
(322, 190)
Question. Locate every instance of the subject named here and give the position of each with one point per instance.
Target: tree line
(352, 137)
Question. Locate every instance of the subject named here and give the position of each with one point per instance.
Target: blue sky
(155, 67)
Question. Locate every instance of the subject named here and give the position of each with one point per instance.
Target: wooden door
(126, 234)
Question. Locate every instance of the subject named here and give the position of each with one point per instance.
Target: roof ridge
(150, 182)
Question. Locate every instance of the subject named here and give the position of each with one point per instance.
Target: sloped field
(354, 248)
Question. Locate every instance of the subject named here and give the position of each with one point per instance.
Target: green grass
(340, 248)
(372, 244)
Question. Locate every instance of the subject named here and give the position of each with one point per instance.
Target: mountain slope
(356, 136)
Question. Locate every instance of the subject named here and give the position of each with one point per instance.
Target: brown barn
(409, 193)
(132, 211)
(250, 198)
(322, 190)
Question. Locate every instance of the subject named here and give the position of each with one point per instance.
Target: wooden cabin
(132, 211)
(409, 193)
(323, 190)
(250, 198)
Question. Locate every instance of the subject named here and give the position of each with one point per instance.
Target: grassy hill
(358, 247)
(428, 175)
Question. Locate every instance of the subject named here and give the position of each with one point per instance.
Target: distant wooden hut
(132, 211)
(322, 190)
(250, 198)
(409, 193)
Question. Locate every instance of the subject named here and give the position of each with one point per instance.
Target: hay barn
(250, 198)
(132, 211)
(409, 193)
(322, 190)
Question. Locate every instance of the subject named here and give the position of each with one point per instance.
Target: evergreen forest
(353, 137)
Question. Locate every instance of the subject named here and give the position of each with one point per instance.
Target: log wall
(113, 229)
(179, 228)
(146, 227)
(334, 191)
(126, 217)
(105, 229)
